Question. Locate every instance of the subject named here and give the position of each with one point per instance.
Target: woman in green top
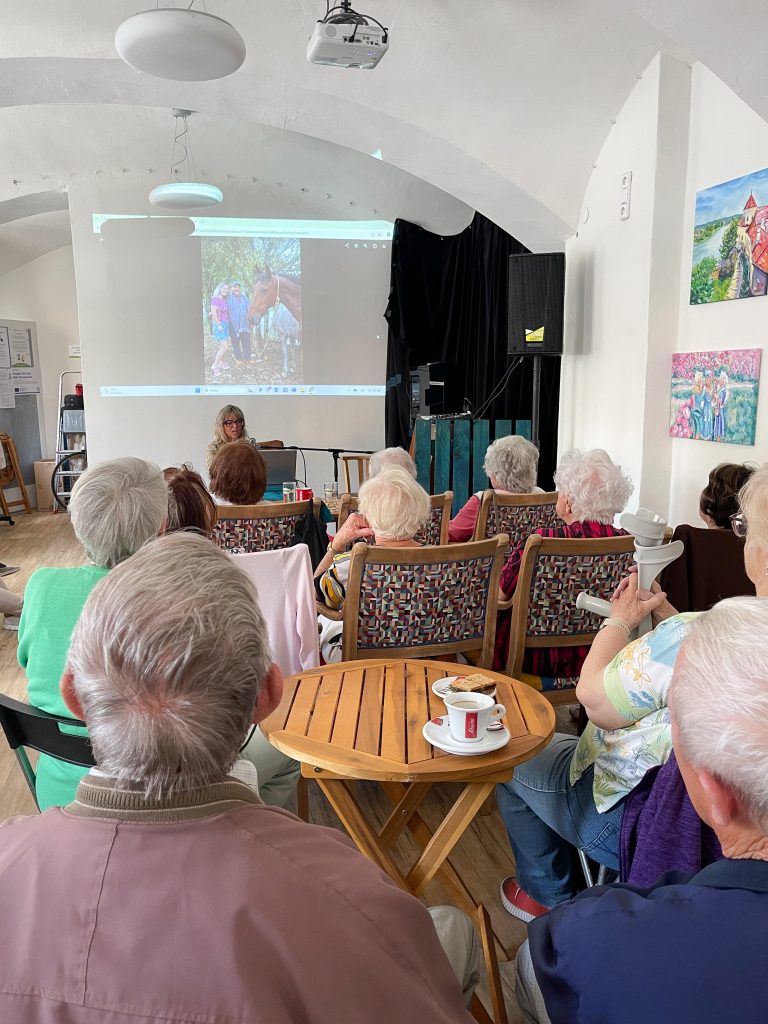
(116, 507)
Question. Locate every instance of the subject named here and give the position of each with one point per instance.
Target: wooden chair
(517, 515)
(436, 530)
(11, 476)
(553, 572)
(27, 726)
(361, 463)
(263, 527)
(427, 602)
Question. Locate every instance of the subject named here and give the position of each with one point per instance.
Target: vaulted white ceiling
(503, 104)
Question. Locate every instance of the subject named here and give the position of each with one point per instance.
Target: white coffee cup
(470, 714)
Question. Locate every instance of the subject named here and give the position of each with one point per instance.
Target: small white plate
(437, 732)
(441, 686)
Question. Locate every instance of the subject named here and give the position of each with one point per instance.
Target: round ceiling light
(185, 195)
(180, 44)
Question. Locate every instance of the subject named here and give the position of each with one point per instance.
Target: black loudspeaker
(535, 304)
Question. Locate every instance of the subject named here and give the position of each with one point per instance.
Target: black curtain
(448, 304)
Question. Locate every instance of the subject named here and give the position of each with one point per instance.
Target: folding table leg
(339, 796)
(448, 834)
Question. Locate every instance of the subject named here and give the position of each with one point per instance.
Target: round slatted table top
(364, 720)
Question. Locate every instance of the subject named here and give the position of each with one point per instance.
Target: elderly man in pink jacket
(167, 891)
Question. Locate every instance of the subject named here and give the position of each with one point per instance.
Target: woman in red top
(592, 491)
(511, 464)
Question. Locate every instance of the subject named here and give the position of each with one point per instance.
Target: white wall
(172, 430)
(620, 283)
(43, 290)
(727, 139)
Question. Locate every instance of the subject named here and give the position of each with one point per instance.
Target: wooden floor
(482, 857)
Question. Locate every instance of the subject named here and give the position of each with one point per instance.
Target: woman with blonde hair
(229, 426)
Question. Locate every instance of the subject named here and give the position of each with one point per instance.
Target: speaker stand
(535, 400)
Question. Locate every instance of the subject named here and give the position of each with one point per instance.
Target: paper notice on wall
(5, 349)
(7, 393)
(26, 382)
(21, 348)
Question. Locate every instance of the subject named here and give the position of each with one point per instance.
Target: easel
(11, 474)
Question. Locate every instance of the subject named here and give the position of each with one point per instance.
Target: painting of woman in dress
(714, 395)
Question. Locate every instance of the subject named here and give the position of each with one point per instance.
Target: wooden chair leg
(302, 798)
(492, 967)
(479, 1012)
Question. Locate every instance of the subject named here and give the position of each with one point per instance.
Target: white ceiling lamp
(181, 44)
(181, 194)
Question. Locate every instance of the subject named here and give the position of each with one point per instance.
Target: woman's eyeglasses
(739, 524)
(234, 423)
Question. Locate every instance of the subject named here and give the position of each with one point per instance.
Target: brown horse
(270, 289)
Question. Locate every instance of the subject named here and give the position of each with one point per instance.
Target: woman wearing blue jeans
(572, 793)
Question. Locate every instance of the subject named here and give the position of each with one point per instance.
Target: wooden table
(364, 719)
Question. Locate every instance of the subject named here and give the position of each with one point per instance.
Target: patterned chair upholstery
(436, 530)
(553, 572)
(241, 529)
(517, 515)
(423, 602)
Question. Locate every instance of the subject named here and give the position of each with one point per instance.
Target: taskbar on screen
(180, 390)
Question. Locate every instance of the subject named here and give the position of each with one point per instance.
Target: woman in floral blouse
(573, 792)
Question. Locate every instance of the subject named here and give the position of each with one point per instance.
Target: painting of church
(730, 240)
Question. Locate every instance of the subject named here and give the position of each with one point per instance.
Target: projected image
(252, 325)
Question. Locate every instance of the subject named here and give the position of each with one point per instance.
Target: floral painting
(714, 395)
(730, 240)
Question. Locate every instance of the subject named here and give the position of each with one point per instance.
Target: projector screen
(276, 302)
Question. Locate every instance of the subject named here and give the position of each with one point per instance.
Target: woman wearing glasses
(230, 426)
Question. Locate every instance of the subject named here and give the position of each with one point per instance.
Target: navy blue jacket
(689, 949)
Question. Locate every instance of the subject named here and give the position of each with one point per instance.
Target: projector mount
(343, 13)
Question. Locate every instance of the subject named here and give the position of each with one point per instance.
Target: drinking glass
(289, 490)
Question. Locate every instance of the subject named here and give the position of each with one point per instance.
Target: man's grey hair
(168, 658)
(513, 461)
(597, 487)
(719, 700)
(391, 457)
(116, 507)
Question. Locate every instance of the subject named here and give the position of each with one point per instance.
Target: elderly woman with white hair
(592, 491)
(115, 508)
(392, 509)
(389, 457)
(511, 464)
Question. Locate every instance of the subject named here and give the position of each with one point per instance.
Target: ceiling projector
(347, 39)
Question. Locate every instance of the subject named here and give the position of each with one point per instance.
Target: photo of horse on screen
(251, 307)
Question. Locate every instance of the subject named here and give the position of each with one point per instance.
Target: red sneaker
(518, 903)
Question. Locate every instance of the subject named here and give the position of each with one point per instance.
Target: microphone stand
(335, 452)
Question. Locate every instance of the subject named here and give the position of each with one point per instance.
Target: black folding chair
(25, 726)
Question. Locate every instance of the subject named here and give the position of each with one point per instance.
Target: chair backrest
(348, 504)
(27, 726)
(553, 572)
(286, 592)
(264, 527)
(517, 515)
(436, 530)
(423, 601)
(361, 463)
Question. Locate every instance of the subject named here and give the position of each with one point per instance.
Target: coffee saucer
(438, 733)
(441, 686)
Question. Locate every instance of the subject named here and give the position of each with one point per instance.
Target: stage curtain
(447, 303)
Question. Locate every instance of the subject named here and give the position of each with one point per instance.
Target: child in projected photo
(220, 324)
